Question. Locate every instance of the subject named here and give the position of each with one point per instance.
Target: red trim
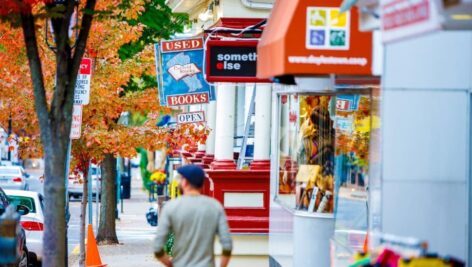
(260, 165)
(241, 219)
(208, 159)
(223, 165)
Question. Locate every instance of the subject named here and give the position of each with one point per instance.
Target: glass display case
(323, 150)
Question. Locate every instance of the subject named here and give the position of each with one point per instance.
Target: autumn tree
(55, 117)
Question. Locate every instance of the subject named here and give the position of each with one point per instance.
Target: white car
(13, 177)
(33, 222)
(75, 185)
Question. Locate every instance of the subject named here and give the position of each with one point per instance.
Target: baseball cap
(194, 174)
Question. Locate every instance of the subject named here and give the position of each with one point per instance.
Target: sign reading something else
(232, 61)
(191, 117)
(76, 127)
(82, 85)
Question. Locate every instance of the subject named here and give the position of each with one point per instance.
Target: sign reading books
(82, 85)
(180, 73)
(231, 61)
(191, 117)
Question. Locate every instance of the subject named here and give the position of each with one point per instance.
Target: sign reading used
(191, 117)
(231, 61)
(82, 85)
(76, 127)
(180, 76)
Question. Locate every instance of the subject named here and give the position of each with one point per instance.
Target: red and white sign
(191, 117)
(343, 105)
(187, 99)
(76, 127)
(82, 85)
(407, 18)
(182, 45)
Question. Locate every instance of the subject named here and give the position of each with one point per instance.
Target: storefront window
(323, 154)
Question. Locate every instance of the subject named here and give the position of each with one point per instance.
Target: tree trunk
(55, 121)
(54, 236)
(107, 228)
(83, 218)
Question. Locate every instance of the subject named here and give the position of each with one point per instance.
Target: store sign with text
(180, 73)
(405, 18)
(82, 85)
(191, 117)
(231, 61)
(76, 126)
(313, 38)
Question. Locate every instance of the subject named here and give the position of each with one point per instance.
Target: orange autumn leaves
(101, 132)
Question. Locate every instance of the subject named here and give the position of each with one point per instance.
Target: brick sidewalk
(134, 234)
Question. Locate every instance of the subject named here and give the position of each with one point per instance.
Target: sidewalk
(134, 234)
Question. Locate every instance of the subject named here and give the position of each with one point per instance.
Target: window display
(323, 154)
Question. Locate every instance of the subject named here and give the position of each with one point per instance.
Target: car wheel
(24, 259)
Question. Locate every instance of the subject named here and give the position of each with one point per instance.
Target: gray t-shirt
(195, 221)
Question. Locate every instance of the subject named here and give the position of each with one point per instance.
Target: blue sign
(180, 74)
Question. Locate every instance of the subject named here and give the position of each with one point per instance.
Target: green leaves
(159, 23)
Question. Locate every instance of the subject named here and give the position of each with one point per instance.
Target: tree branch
(61, 27)
(41, 105)
(82, 39)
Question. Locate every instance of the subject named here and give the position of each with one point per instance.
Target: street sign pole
(89, 195)
(66, 184)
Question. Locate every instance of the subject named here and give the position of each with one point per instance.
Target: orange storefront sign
(311, 37)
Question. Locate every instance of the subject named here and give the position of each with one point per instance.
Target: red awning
(311, 37)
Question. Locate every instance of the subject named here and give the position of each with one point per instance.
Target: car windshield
(25, 201)
(9, 171)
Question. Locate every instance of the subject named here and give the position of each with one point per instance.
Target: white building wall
(236, 9)
(426, 140)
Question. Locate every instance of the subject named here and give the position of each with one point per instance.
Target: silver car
(13, 177)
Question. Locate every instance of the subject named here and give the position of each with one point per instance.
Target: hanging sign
(231, 61)
(76, 127)
(191, 117)
(82, 85)
(406, 18)
(180, 72)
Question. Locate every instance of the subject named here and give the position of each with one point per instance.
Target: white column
(262, 124)
(211, 123)
(224, 132)
(263, 119)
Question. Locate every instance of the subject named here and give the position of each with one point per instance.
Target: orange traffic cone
(92, 256)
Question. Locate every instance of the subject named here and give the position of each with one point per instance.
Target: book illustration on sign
(180, 68)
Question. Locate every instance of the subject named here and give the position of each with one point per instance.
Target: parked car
(22, 249)
(13, 177)
(33, 222)
(75, 186)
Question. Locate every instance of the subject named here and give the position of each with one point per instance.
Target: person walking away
(195, 220)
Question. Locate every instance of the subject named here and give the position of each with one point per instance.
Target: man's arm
(161, 238)
(225, 239)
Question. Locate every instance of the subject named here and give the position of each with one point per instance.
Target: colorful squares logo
(337, 38)
(317, 37)
(327, 28)
(337, 19)
(318, 18)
